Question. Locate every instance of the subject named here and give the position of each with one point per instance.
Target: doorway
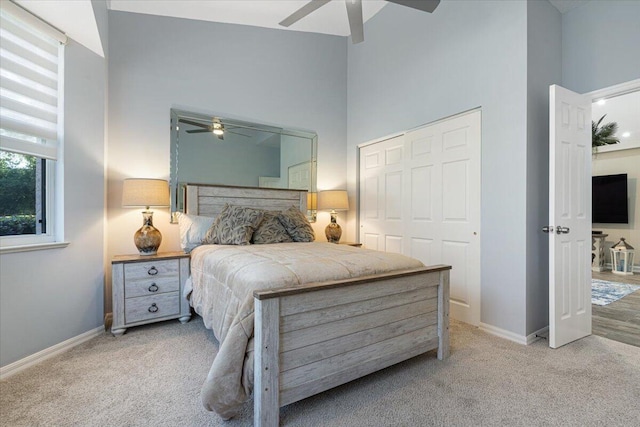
(619, 320)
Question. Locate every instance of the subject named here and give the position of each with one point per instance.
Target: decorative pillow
(270, 230)
(193, 228)
(234, 226)
(297, 225)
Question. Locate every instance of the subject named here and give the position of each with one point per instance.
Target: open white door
(569, 216)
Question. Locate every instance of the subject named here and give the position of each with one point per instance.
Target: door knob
(562, 230)
(547, 229)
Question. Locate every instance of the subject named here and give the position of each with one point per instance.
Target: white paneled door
(569, 216)
(420, 196)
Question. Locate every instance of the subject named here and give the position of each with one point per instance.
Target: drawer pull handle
(152, 271)
(153, 288)
(153, 308)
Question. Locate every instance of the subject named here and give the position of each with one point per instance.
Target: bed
(321, 315)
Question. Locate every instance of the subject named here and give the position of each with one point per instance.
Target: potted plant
(603, 134)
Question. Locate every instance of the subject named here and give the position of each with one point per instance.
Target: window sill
(33, 247)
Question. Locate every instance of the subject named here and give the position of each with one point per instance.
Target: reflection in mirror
(209, 149)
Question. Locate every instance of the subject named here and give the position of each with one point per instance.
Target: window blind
(31, 54)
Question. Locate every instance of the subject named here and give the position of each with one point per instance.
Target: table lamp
(333, 200)
(143, 192)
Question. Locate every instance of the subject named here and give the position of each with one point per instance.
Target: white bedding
(221, 287)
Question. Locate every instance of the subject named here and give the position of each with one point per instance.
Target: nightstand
(147, 289)
(357, 245)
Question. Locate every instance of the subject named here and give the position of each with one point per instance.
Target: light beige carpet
(152, 376)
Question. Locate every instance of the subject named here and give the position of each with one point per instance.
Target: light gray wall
(467, 54)
(544, 57)
(49, 296)
(291, 79)
(600, 42)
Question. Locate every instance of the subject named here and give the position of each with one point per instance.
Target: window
(31, 89)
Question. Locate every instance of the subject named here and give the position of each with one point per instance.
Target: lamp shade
(333, 200)
(138, 192)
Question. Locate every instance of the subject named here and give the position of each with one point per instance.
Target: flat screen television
(609, 199)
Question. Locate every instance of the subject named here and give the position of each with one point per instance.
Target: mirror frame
(177, 196)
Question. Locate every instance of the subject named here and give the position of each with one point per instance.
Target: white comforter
(221, 287)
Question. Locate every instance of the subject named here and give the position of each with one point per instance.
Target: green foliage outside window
(17, 194)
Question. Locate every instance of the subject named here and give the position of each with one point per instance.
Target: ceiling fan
(216, 127)
(354, 12)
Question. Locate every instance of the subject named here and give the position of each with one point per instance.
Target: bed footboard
(311, 339)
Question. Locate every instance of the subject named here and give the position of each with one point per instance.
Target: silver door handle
(562, 230)
(547, 229)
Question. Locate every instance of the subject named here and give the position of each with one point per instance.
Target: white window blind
(31, 54)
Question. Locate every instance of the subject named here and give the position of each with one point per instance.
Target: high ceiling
(329, 19)
(76, 17)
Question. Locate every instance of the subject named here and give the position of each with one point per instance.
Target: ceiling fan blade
(354, 12)
(423, 5)
(191, 122)
(199, 131)
(303, 11)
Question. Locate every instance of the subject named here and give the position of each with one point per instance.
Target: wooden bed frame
(321, 335)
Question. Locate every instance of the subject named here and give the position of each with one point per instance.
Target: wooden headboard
(209, 200)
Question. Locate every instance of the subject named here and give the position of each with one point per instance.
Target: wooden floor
(620, 320)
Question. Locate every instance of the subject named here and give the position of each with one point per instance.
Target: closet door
(420, 196)
(381, 195)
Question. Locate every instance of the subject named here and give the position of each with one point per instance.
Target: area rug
(604, 292)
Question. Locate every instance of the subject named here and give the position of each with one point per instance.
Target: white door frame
(615, 90)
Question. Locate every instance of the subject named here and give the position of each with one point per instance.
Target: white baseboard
(502, 333)
(20, 365)
(511, 336)
(537, 335)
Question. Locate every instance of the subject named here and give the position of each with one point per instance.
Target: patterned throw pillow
(234, 226)
(270, 230)
(296, 225)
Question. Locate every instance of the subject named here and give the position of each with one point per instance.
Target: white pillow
(192, 230)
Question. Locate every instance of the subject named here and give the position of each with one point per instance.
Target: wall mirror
(208, 149)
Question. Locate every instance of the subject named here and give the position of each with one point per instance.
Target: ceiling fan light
(218, 131)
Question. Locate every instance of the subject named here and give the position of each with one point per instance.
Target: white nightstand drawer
(152, 269)
(151, 307)
(150, 286)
